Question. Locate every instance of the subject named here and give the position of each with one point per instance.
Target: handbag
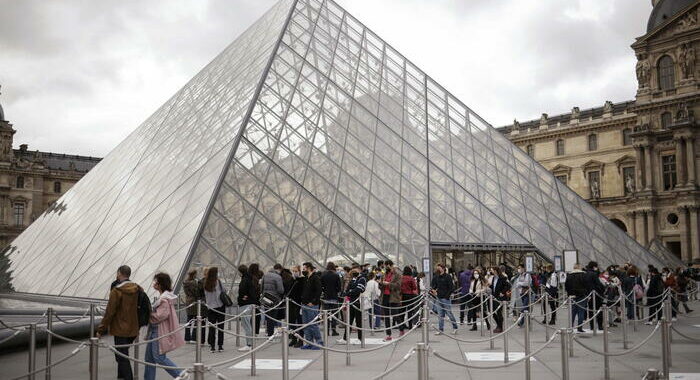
(268, 299)
(224, 298)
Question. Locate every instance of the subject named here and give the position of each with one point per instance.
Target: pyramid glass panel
(308, 139)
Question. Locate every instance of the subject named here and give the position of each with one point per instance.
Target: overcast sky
(78, 76)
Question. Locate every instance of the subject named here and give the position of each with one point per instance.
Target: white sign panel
(494, 356)
(294, 364)
(570, 259)
(684, 376)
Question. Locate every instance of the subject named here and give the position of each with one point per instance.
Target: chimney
(23, 148)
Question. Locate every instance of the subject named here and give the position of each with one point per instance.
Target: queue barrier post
(32, 351)
(422, 353)
(198, 370)
(570, 344)
(504, 314)
(424, 321)
(595, 309)
(92, 320)
(371, 317)
(238, 327)
(635, 313)
(49, 341)
(136, 356)
(526, 331)
(623, 318)
(347, 332)
(482, 319)
(665, 354)
(285, 352)
(252, 345)
(490, 330)
(546, 326)
(198, 334)
(564, 335)
(94, 347)
(606, 343)
(325, 343)
(362, 317)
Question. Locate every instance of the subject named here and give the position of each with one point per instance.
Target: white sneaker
(438, 333)
(674, 319)
(648, 323)
(455, 332)
(244, 349)
(341, 341)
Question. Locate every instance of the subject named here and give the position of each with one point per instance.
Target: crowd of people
(389, 295)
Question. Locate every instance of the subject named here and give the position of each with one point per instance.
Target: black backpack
(143, 308)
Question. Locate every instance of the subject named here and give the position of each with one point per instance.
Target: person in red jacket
(409, 292)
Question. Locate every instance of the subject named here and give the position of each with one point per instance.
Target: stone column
(683, 229)
(641, 227)
(638, 177)
(694, 233)
(649, 178)
(651, 225)
(680, 161)
(690, 153)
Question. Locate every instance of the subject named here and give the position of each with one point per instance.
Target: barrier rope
(57, 362)
(356, 351)
(504, 365)
(397, 365)
(621, 353)
(17, 332)
(683, 335)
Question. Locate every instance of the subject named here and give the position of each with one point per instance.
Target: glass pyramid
(307, 139)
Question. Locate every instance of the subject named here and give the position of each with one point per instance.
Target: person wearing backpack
(121, 318)
(216, 315)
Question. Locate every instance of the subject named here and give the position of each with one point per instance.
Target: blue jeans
(153, 356)
(578, 310)
(377, 315)
(525, 299)
(246, 313)
(311, 333)
(444, 308)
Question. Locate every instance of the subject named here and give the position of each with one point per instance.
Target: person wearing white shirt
(370, 299)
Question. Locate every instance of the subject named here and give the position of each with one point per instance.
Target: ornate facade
(31, 182)
(636, 161)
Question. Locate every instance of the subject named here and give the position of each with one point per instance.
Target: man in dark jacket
(355, 288)
(441, 287)
(654, 292)
(311, 298)
(499, 289)
(121, 318)
(578, 286)
(332, 287)
(248, 295)
(595, 302)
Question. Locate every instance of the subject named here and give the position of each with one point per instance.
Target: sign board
(570, 259)
(558, 264)
(529, 264)
(426, 265)
(494, 356)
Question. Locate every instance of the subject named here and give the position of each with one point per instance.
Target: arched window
(593, 142)
(560, 147)
(20, 182)
(626, 136)
(57, 187)
(667, 78)
(531, 150)
(665, 120)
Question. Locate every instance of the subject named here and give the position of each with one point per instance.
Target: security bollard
(490, 330)
(238, 328)
(94, 345)
(92, 320)
(595, 309)
(32, 350)
(252, 346)
(564, 334)
(198, 346)
(623, 319)
(136, 356)
(504, 311)
(347, 332)
(198, 371)
(421, 358)
(326, 344)
(362, 317)
(606, 343)
(665, 354)
(481, 306)
(285, 353)
(49, 341)
(526, 330)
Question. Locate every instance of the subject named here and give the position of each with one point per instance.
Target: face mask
(305, 273)
(476, 275)
(355, 274)
(295, 274)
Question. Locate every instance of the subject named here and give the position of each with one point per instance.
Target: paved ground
(365, 366)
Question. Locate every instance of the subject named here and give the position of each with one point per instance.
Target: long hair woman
(162, 323)
(216, 316)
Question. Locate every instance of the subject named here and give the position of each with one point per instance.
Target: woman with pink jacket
(162, 323)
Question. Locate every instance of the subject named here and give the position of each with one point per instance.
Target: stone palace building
(30, 182)
(636, 161)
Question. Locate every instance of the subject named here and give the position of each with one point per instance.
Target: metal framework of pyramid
(307, 139)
